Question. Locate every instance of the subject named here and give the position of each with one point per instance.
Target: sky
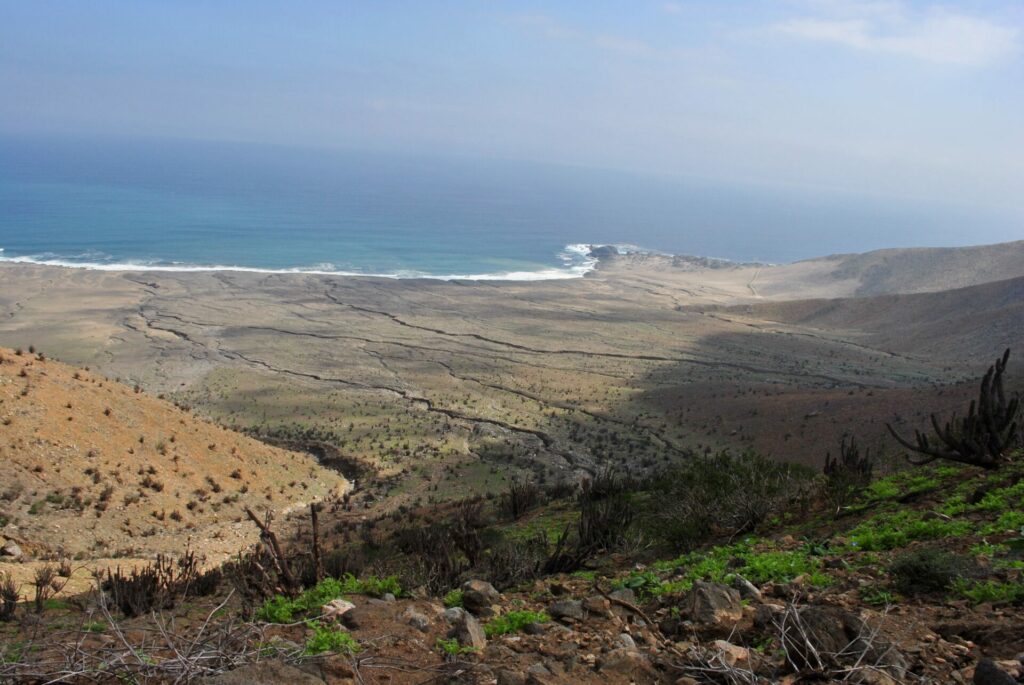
(903, 99)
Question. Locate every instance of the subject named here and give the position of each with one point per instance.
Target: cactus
(979, 439)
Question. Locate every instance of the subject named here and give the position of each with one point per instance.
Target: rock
(746, 589)
(733, 655)
(416, 619)
(336, 608)
(713, 604)
(478, 596)
(626, 641)
(534, 629)
(353, 619)
(453, 614)
(11, 550)
(507, 677)
(270, 672)
(603, 251)
(598, 605)
(539, 674)
(571, 610)
(465, 628)
(687, 680)
(625, 663)
(624, 595)
(988, 673)
(388, 597)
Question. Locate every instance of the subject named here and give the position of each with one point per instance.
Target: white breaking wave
(577, 261)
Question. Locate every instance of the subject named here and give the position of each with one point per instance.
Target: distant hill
(928, 269)
(882, 272)
(973, 323)
(92, 468)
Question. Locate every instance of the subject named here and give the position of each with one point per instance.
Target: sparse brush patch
(9, 596)
(513, 622)
(928, 570)
(723, 493)
(848, 474)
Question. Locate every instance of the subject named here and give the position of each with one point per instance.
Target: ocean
(189, 205)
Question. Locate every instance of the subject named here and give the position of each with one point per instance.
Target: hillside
(92, 468)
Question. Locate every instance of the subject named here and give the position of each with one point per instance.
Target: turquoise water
(104, 204)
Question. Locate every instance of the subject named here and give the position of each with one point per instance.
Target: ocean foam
(576, 258)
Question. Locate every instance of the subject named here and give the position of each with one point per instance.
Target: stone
(269, 672)
(598, 605)
(11, 550)
(626, 640)
(988, 673)
(713, 604)
(733, 655)
(388, 597)
(336, 608)
(453, 614)
(508, 677)
(416, 619)
(625, 663)
(539, 674)
(746, 589)
(624, 595)
(353, 619)
(571, 610)
(534, 629)
(478, 596)
(465, 628)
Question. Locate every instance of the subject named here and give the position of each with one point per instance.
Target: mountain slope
(92, 468)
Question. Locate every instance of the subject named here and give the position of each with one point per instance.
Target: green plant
(94, 627)
(451, 648)
(328, 638)
(513, 622)
(453, 599)
(990, 591)
(848, 474)
(875, 596)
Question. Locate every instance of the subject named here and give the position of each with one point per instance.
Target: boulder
(987, 672)
(336, 608)
(568, 610)
(478, 596)
(11, 550)
(713, 604)
(598, 606)
(465, 628)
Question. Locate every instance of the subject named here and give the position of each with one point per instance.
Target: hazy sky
(907, 99)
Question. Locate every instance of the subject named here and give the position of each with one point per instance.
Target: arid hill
(92, 468)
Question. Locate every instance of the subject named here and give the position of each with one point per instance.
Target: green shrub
(450, 647)
(513, 622)
(453, 599)
(927, 570)
(327, 638)
(990, 591)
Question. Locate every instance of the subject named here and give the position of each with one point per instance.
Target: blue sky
(895, 98)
